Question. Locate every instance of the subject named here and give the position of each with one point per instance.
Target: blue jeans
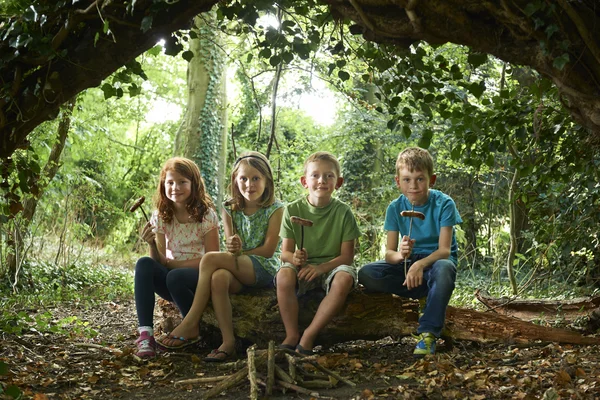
(438, 285)
(177, 285)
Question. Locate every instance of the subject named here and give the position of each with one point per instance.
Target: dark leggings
(177, 285)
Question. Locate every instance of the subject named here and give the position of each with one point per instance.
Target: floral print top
(185, 241)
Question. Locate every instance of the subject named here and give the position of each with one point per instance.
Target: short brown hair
(415, 158)
(261, 163)
(324, 156)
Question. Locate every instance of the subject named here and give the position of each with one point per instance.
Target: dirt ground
(62, 366)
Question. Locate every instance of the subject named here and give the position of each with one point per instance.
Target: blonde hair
(261, 163)
(199, 201)
(415, 158)
(324, 156)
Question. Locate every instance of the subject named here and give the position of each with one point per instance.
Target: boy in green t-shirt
(326, 259)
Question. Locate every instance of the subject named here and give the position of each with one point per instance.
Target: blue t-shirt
(439, 211)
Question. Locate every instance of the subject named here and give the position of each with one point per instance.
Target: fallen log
(540, 309)
(373, 316)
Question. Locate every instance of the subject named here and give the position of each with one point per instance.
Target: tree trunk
(546, 310)
(15, 258)
(373, 316)
(512, 234)
(200, 134)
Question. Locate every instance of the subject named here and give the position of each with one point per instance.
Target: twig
(298, 389)
(207, 379)
(291, 366)
(281, 374)
(252, 373)
(270, 367)
(234, 380)
(331, 373)
(99, 347)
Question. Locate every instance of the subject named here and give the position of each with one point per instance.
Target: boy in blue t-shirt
(431, 251)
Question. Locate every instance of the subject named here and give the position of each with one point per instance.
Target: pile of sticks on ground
(296, 378)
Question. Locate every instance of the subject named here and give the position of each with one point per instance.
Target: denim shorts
(324, 281)
(263, 277)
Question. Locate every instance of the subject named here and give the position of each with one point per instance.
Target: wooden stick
(291, 366)
(234, 380)
(270, 367)
(208, 379)
(298, 389)
(252, 373)
(281, 374)
(331, 373)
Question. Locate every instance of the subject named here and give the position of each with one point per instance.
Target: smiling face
(321, 180)
(414, 185)
(250, 183)
(178, 188)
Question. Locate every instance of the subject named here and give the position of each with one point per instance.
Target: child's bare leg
(288, 304)
(211, 262)
(223, 283)
(330, 306)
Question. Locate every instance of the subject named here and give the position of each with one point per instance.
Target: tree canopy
(56, 49)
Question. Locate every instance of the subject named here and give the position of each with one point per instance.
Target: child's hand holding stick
(147, 232)
(411, 214)
(302, 258)
(233, 243)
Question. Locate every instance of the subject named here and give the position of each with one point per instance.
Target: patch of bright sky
(320, 103)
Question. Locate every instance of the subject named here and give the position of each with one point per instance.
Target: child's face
(414, 185)
(178, 188)
(251, 183)
(321, 180)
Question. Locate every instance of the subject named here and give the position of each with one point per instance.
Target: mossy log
(373, 316)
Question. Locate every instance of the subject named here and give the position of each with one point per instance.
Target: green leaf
(3, 368)
(106, 26)
(275, 60)
(406, 131)
(477, 59)
(425, 140)
(560, 62)
(109, 90)
(343, 75)
(187, 55)
(13, 392)
(477, 89)
(265, 53)
(156, 50)
(531, 8)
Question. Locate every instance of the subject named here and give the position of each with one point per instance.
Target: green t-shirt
(332, 225)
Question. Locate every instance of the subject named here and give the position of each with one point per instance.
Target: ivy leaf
(560, 62)
(265, 53)
(187, 55)
(13, 392)
(134, 90)
(343, 75)
(109, 90)
(477, 59)
(3, 368)
(477, 89)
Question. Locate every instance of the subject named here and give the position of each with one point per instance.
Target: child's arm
(271, 238)
(232, 240)
(346, 257)
(289, 254)
(211, 243)
(393, 255)
(414, 278)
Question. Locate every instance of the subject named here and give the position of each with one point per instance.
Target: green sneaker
(426, 345)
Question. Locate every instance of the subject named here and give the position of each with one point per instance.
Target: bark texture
(375, 316)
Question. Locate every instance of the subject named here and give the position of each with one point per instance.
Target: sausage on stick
(302, 222)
